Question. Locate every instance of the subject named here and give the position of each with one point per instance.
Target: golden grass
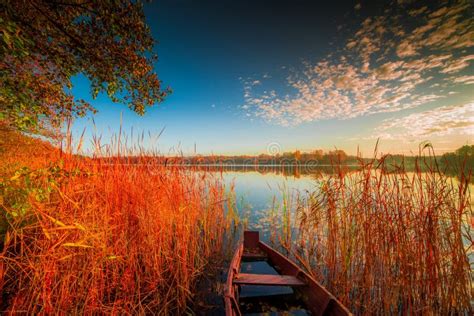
(385, 243)
(95, 236)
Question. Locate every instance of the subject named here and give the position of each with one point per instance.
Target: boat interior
(269, 299)
(263, 287)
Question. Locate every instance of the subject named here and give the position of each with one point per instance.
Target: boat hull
(317, 299)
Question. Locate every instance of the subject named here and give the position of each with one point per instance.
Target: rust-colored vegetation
(18, 150)
(386, 243)
(81, 235)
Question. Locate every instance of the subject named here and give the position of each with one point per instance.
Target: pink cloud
(442, 121)
(385, 66)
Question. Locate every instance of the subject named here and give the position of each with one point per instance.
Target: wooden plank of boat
(318, 300)
(254, 256)
(267, 279)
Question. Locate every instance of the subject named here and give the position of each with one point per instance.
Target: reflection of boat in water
(260, 280)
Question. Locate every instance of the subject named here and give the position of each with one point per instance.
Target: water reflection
(287, 171)
(261, 190)
(258, 194)
(266, 194)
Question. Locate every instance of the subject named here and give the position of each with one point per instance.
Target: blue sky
(246, 74)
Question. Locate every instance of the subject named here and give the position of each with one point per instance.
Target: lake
(258, 192)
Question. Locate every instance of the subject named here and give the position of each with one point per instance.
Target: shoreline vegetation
(84, 235)
(384, 243)
(458, 163)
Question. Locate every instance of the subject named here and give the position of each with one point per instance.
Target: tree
(43, 44)
(338, 155)
(465, 151)
(297, 154)
(318, 154)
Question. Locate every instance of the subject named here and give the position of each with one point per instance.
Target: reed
(100, 236)
(387, 243)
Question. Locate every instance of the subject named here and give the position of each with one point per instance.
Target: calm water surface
(258, 193)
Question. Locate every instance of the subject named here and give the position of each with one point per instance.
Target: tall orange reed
(109, 236)
(387, 243)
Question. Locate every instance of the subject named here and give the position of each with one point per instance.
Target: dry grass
(18, 150)
(385, 243)
(90, 236)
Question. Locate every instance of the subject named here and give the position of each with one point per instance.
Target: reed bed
(386, 243)
(94, 236)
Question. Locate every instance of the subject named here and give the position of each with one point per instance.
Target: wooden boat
(285, 275)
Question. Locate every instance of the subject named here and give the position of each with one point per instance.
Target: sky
(252, 77)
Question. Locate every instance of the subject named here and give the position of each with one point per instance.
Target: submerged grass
(101, 236)
(387, 243)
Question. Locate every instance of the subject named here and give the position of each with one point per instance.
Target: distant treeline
(317, 157)
(457, 163)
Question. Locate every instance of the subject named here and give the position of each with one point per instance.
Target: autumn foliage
(85, 236)
(44, 44)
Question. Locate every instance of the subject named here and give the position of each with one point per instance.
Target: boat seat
(254, 256)
(267, 279)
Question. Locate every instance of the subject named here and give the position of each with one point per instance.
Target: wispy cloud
(442, 121)
(392, 62)
(464, 79)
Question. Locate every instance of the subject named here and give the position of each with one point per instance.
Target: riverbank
(81, 237)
